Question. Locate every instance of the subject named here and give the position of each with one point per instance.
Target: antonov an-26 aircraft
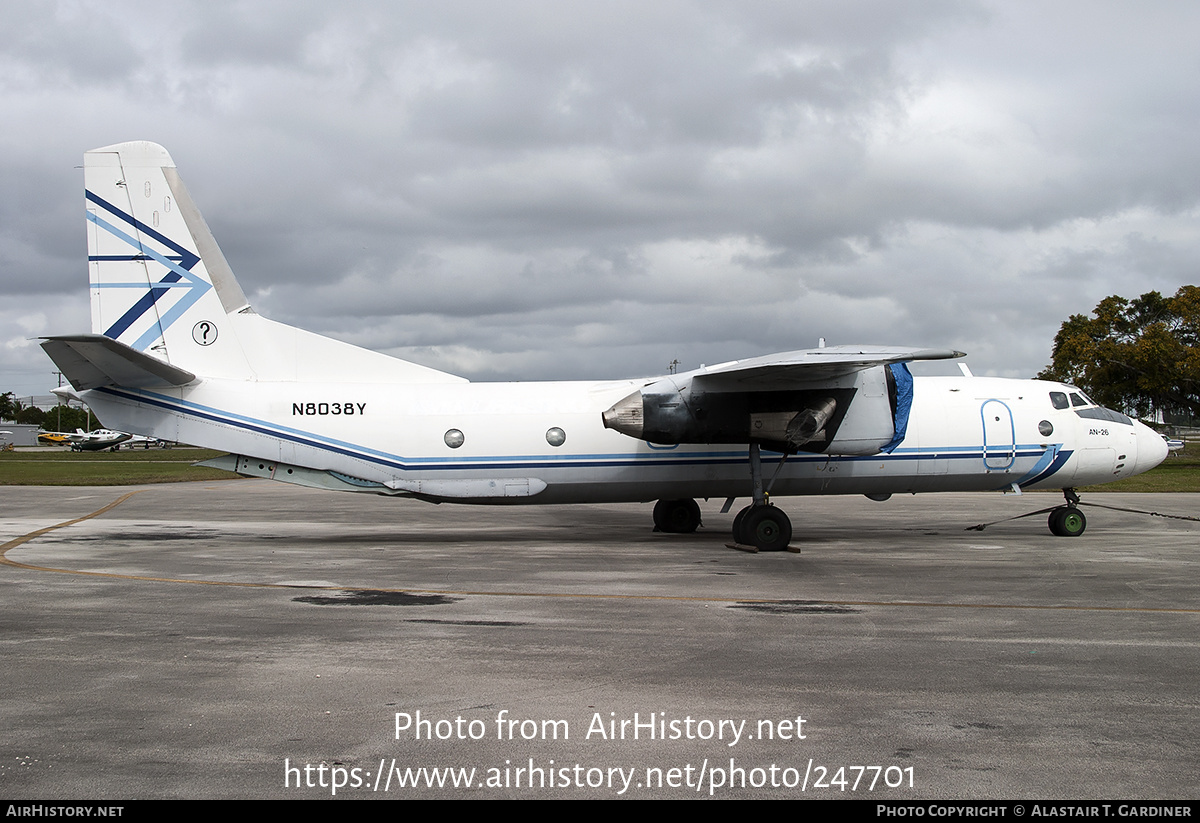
(177, 353)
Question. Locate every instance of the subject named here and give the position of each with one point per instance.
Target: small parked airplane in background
(79, 440)
(177, 353)
(97, 440)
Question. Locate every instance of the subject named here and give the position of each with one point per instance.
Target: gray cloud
(533, 190)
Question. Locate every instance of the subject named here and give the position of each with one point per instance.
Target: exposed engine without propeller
(853, 414)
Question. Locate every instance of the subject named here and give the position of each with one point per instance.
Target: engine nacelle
(850, 415)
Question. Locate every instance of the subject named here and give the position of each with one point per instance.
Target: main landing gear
(760, 524)
(763, 526)
(676, 516)
(1068, 520)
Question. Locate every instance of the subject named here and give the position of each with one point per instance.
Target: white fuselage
(964, 434)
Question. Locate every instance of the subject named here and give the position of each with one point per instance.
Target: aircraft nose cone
(1151, 448)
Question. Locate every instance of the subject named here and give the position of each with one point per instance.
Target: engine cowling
(851, 415)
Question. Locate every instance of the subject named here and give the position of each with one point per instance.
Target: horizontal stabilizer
(90, 361)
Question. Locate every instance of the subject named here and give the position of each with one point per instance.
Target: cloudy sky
(540, 190)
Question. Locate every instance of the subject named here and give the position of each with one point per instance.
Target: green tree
(1141, 356)
(10, 406)
(30, 414)
(71, 419)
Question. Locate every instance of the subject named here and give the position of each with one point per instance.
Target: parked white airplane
(79, 440)
(176, 353)
(97, 440)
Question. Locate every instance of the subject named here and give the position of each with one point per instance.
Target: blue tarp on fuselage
(904, 396)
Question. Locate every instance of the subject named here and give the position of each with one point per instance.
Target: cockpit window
(1078, 399)
(1059, 400)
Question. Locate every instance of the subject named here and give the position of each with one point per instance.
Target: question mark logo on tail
(204, 333)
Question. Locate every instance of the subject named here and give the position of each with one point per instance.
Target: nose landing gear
(1068, 520)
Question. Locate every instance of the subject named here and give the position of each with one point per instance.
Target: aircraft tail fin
(160, 286)
(159, 283)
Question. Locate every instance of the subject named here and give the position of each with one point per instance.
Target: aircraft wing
(781, 371)
(835, 398)
(90, 361)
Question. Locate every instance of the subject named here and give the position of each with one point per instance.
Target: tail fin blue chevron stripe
(178, 275)
(188, 258)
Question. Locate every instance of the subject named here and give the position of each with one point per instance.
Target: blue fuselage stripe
(311, 440)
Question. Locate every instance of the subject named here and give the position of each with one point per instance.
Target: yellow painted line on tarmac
(25, 538)
(912, 604)
(12, 544)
